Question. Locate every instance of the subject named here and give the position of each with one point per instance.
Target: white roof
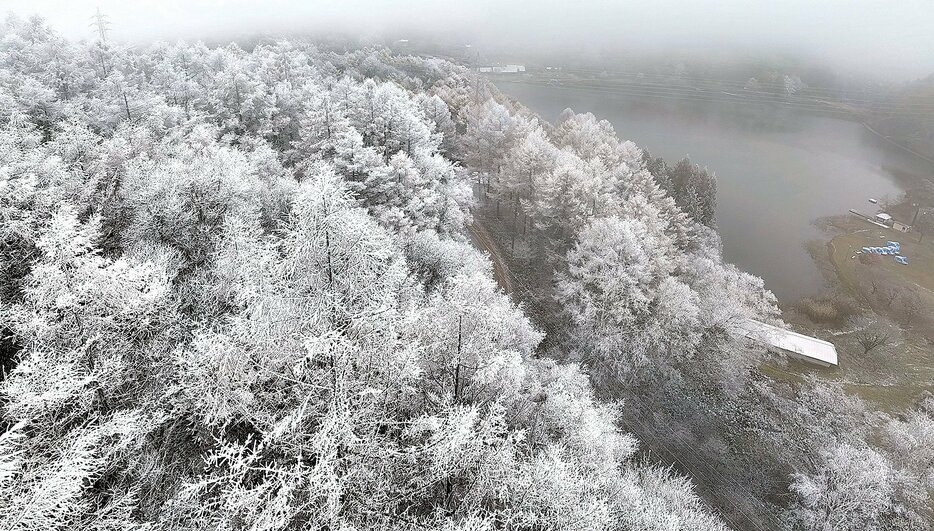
(806, 346)
(883, 215)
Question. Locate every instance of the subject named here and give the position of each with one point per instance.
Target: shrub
(819, 310)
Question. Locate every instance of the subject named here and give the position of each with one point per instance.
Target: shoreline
(897, 144)
(840, 112)
(903, 181)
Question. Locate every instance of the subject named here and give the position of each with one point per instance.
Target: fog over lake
(778, 170)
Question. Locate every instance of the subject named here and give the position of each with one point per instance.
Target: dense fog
(889, 40)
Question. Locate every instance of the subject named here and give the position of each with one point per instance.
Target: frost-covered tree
(239, 295)
(89, 328)
(489, 135)
(911, 444)
(437, 111)
(694, 189)
(856, 488)
(619, 289)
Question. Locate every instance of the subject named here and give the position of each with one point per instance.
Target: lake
(778, 170)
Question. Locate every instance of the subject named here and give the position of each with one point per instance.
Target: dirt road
(482, 239)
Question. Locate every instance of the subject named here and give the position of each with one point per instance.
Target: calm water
(777, 170)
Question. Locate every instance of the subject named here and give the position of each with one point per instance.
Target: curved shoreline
(897, 144)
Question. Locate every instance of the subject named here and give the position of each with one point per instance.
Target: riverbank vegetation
(238, 294)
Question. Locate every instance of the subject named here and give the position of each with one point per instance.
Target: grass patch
(920, 268)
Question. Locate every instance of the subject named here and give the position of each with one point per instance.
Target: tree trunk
(457, 369)
(126, 105)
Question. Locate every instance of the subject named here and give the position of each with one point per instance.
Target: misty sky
(889, 38)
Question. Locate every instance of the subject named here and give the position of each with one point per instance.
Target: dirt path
(481, 238)
(738, 510)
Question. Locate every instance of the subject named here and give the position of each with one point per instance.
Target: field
(906, 376)
(920, 268)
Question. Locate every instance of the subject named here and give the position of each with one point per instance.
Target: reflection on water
(777, 169)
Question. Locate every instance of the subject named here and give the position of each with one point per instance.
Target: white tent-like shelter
(797, 345)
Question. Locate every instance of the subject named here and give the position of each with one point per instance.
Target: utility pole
(100, 21)
(477, 84)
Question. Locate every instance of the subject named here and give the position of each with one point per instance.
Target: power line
(704, 86)
(709, 81)
(744, 90)
(673, 94)
(716, 84)
(694, 473)
(663, 94)
(841, 95)
(694, 93)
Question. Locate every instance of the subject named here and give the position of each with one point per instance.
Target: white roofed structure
(804, 347)
(504, 69)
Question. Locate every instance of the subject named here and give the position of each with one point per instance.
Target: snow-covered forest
(237, 291)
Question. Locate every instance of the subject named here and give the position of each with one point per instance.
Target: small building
(800, 346)
(883, 218)
(901, 227)
(504, 69)
(890, 222)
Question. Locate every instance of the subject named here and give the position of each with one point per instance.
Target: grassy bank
(883, 288)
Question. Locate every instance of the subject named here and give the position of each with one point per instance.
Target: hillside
(244, 298)
(238, 292)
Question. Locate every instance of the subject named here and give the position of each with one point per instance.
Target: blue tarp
(890, 249)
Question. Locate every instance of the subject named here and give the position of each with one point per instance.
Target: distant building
(504, 69)
(891, 222)
(800, 346)
(901, 227)
(884, 218)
